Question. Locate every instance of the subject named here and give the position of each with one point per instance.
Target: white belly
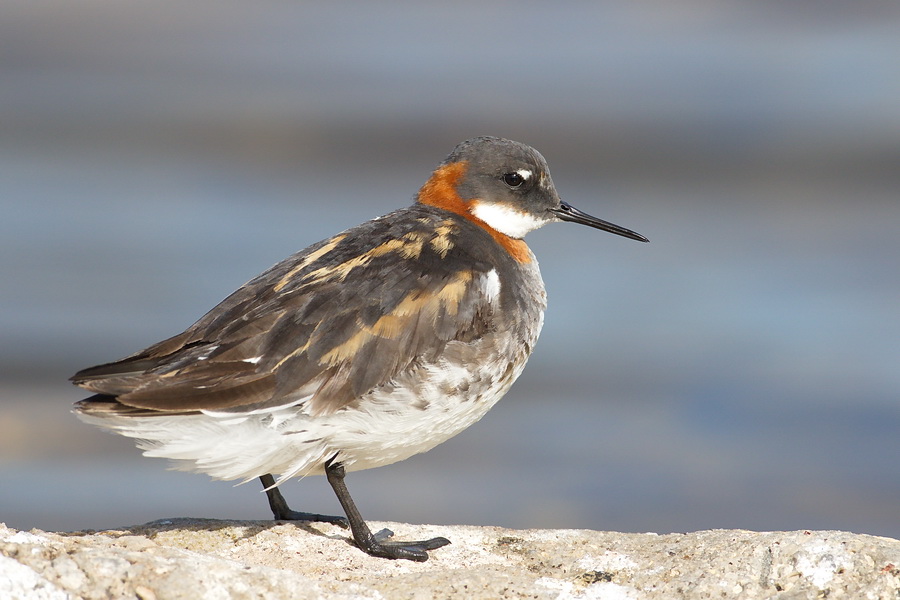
(415, 413)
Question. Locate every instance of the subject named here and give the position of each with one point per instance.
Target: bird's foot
(294, 515)
(382, 546)
(282, 512)
(378, 544)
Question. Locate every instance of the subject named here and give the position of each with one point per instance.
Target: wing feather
(325, 326)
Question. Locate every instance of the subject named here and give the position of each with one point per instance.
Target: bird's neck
(440, 191)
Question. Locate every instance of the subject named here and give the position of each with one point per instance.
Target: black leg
(375, 545)
(282, 512)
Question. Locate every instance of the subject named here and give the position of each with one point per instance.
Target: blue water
(741, 370)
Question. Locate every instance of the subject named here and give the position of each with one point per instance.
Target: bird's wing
(322, 328)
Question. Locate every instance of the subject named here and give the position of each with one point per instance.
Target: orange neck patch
(440, 191)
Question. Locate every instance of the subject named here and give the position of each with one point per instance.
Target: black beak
(567, 212)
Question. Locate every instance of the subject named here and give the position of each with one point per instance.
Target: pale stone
(211, 560)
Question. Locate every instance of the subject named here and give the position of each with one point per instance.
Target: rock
(206, 559)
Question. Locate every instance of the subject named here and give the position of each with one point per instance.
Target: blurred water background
(741, 370)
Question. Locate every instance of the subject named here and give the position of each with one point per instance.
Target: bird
(359, 351)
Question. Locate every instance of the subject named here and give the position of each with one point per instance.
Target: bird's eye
(513, 180)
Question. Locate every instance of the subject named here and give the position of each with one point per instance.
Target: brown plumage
(330, 325)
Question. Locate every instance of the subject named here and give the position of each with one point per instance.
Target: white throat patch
(506, 219)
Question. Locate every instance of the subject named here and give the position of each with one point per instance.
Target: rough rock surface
(206, 559)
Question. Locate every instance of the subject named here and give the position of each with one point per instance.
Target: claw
(416, 551)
